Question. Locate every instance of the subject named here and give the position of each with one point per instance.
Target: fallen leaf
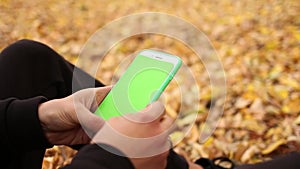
(249, 153)
(273, 146)
(242, 103)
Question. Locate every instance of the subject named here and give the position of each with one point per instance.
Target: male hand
(142, 136)
(65, 121)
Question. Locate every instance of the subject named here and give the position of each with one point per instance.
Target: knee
(23, 42)
(28, 45)
(25, 50)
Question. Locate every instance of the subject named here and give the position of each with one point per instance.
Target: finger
(90, 122)
(151, 114)
(158, 111)
(167, 122)
(101, 92)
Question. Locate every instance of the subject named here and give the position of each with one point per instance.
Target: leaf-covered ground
(258, 43)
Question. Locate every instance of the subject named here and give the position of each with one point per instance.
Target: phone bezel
(162, 56)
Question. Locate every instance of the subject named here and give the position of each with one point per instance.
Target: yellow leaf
(292, 106)
(290, 82)
(194, 134)
(297, 35)
(171, 112)
(254, 125)
(209, 141)
(273, 146)
(264, 30)
(187, 120)
(283, 93)
(275, 71)
(249, 153)
(176, 136)
(297, 121)
(250, 95)
(200, 149)
(272, 44)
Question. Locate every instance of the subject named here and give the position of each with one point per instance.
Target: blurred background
(258, 43)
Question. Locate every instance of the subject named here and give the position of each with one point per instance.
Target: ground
(257, 43)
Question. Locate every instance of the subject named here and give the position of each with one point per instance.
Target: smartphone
(142, 83)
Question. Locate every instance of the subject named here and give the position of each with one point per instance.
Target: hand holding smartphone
(142, 83)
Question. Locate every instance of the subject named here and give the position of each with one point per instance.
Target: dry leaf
(273, 146)
(249, 153)
(242, 103)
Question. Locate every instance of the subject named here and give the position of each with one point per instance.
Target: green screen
(142, 83)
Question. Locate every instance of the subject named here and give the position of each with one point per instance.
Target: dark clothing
(22, 141)
(288, 161)
(94, 157)
(30, 73)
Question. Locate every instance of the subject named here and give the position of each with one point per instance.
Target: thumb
(154, 112)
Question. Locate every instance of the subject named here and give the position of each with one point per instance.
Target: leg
(29, 68)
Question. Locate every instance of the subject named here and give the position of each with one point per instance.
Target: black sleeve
(95, 157)
(175, 161)
(20, 127)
